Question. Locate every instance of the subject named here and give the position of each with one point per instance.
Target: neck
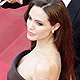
(45, 44)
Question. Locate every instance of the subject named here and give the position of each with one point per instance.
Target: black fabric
(78, 72)
(74, 12)
(13, 73)
(15, 5)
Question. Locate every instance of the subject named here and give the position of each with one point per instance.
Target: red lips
(30, 33)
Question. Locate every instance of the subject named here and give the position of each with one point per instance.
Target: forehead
(38, 13)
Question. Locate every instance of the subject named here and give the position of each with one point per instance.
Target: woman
(52, 55)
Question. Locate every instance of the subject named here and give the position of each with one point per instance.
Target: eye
(29, 18)
(40, 24)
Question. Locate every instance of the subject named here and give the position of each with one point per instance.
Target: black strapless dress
(13, 73)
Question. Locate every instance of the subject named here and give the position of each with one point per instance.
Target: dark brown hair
(57, 13)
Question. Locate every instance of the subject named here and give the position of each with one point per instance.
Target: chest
(27, 65)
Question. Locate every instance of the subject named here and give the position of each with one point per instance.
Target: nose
(31, 26)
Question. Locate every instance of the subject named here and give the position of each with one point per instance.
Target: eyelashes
(37, 22)
(40, 24)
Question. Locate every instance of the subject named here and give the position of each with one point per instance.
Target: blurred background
(13, 39)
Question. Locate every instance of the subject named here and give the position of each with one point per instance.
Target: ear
(55, 27)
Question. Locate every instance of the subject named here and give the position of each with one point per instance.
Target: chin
(31, 38)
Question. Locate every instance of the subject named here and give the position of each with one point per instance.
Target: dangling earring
(52, 31)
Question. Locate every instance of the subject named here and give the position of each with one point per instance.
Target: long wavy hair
(57, 13)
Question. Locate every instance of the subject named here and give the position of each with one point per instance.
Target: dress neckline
(16, 61)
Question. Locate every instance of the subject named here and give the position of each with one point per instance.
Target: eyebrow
(37, 20)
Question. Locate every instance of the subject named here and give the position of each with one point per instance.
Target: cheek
(43, 31)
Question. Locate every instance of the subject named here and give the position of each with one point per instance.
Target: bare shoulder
(46, 65)
(24, 58)
(45, 69)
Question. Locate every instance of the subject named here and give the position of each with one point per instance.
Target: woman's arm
(18, 1)
(15, 3)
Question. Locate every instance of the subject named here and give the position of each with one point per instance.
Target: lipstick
(30, 33)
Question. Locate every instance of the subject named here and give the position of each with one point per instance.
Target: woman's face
(38, 25)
